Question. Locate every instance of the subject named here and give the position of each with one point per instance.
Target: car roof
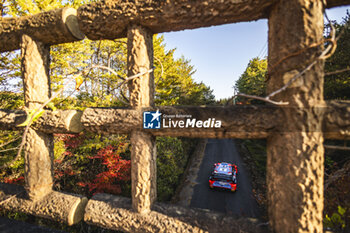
(223, 168)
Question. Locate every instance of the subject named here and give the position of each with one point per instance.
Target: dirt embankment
(254, 157)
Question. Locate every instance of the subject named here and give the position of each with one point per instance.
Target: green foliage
(257, 149)
(172, 156)
(59, 148)
(30, 7)
(15, 172)
(328, 161)
(337, 86)
(32, 116)
(96, 82)
(16, 216)
(85, 163)
(337, 170)
(10, 100)
(175, 85)
(252, 81)
(9, 71)
(225, 101)
(336, 221)
(10, 61)
(173, 77)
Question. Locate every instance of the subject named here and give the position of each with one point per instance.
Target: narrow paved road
(242, 201)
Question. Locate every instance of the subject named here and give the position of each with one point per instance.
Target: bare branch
(6, 143)
(335, 176)
(162, 72)
(331, 147)
(134, 76)
(106, 68)
(265, 99)
(8, 149)
(291, 81)
(337, 71)
(138, 75)
(328, 52)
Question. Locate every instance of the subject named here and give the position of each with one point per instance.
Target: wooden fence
(295, 134)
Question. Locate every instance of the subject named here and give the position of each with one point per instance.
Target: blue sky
(220, 54)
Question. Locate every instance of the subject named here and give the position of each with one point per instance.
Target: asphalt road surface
(242, 201)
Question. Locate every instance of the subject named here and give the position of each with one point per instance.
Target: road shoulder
(184, 192)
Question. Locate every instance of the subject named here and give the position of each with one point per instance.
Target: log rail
(237, 121)
(51, 27)
(290, 131)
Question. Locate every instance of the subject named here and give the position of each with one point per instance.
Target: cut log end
(50, 27)
(77, 211)
(69, 17)
(61, 207)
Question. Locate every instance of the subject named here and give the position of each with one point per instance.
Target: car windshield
(223, 177)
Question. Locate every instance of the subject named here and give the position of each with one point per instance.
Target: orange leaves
(118, 170)
(19, 180)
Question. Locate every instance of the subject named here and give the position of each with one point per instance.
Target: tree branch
(337, 71)
(331, 147)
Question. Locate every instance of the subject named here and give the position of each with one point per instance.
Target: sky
(220, 54)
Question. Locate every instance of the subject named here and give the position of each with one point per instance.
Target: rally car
(224, 176)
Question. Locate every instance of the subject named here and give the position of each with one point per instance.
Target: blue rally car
(224, 176)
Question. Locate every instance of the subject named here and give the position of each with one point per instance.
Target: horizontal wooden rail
(50, 27)
(65, 121)
(336, 122)
(114, 212)
(110, 19)
(335, 3)
(67, 208)
(236, 122)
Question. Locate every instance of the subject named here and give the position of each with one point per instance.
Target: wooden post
(143, 151)
(295, 163)
(38, 146)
